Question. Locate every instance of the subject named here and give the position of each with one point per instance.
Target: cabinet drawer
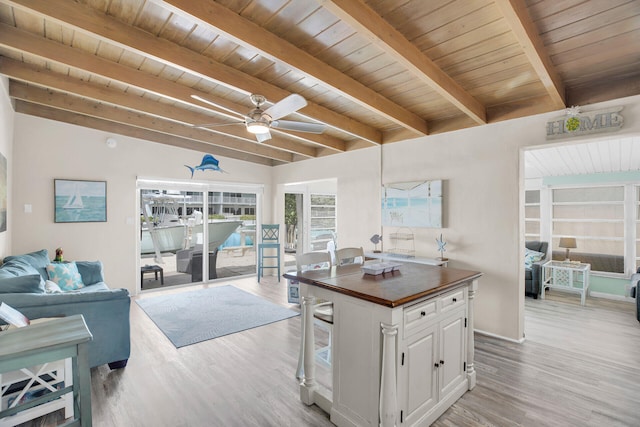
(451, 300)
(417, 317)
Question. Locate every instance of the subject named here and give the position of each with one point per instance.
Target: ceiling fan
(259, 121)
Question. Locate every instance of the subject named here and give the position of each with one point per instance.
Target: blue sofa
(533, 274)
(106, 311)
(635, 291)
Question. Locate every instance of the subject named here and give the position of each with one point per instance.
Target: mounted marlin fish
(208, 163)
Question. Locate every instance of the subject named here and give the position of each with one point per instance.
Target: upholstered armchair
(533, 274)
(635, 291)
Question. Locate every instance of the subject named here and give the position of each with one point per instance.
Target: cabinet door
(419, 374)
(452, 352)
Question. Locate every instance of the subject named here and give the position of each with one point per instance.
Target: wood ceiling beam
(25, 41)
(45, 78)
(517, 17)
(256, 38)
(368, 23)
(95, 109)
(51, 113)
(95, 23)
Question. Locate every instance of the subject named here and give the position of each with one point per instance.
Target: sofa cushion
(96, 287)
(91, 272)
(38, 260)
(28, 283)
(17, 267)
(66, 275)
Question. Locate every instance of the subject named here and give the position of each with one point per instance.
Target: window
(323, 220)
(532, 214)
(595, 217)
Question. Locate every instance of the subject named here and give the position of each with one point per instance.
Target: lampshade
(568, 242)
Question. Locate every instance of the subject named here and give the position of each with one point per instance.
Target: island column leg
(388, 392)
(308, 384)
(471, 371)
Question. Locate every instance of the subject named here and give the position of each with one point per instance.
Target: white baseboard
(611, 296)
(500, 337)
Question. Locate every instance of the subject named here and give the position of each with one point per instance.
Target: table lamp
(567, 243)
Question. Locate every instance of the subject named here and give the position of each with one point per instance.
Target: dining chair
(322, 310)
(349, 256)
(270, 241)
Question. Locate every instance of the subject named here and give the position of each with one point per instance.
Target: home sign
(580, 124)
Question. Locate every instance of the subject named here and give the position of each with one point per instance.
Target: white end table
(567, 276)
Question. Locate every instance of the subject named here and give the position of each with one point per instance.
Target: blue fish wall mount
(208, 163)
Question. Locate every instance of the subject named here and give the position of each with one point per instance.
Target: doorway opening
(310, 218)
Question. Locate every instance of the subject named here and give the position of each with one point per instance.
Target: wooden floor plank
(577, 367)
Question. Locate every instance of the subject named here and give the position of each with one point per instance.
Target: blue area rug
(191, 317)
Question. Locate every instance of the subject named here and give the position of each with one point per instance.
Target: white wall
(483, 190)
(45, 149)
(6, 148)
(481, 167)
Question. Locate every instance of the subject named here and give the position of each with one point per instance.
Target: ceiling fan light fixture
(257, 127)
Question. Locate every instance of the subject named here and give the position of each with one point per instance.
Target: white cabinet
(432, 356)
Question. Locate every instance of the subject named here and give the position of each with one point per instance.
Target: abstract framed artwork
(80, 201)
(412, 204)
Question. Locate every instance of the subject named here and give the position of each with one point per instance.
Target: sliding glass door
(195, 232)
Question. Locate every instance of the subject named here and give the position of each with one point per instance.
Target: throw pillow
(91, 271)
(18, 267)
(38, 260)
(26, 284)
(51, 287)
(65, 275)
(532, 256)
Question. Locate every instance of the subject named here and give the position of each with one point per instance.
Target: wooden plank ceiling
(372, 71)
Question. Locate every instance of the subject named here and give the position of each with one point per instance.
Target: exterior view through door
(179, 223)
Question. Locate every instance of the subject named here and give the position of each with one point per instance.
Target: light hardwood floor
(577, 367)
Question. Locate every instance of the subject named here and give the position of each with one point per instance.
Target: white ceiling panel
(614, 155)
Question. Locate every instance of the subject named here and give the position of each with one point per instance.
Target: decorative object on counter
(567, 243)
(441, 249)
(375, 239)
(59, 255)
(380, 268)
(402, 243)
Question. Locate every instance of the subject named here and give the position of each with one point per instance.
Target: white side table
(572, 277)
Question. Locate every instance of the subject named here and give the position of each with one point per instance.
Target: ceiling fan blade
(215, 125)
(262, 137)
(298, 126)
(286, 106)
(217, 106)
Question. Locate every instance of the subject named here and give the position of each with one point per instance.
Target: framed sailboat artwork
(80, 201)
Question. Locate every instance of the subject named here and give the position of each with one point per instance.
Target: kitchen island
(402, 342)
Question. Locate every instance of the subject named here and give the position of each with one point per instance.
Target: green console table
(57, 339)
